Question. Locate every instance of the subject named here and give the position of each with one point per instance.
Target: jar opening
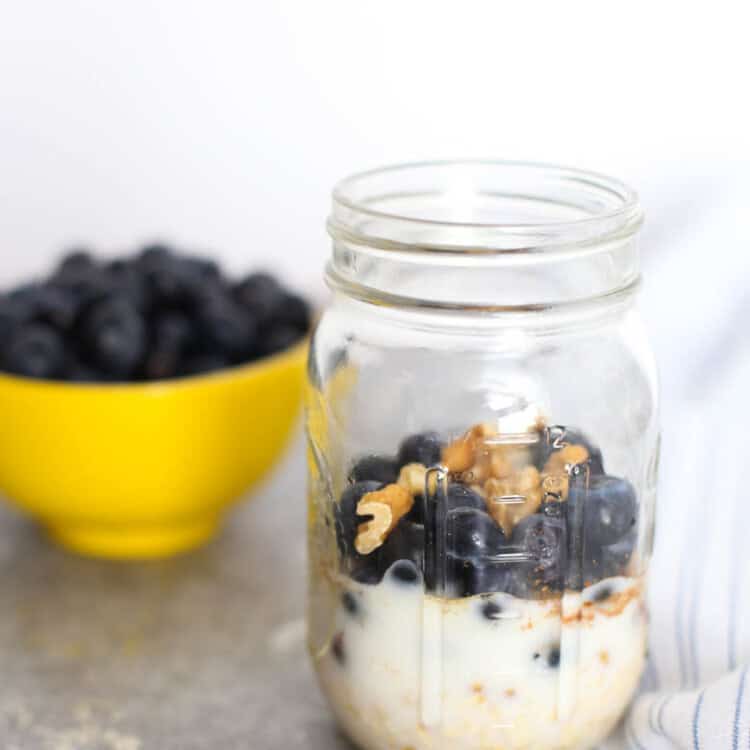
(482, 206)
(483, 235)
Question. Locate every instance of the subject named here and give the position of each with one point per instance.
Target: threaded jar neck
(487, 235)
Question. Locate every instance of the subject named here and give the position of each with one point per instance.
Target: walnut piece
(458, 456)
(480, 472)
(414, 477)
(467, 452)
(501, 464)
(386, 506)
(555, 487)
(570, 455)
(511, 499)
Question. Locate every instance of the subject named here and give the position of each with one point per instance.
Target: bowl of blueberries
(141, 396)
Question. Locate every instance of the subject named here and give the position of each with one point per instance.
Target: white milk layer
(407, 671)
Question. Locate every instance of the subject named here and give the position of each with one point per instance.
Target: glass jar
(483, 448)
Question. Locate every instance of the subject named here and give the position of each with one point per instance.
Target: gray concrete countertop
(201, 651)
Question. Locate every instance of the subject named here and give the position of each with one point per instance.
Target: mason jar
(483, 449)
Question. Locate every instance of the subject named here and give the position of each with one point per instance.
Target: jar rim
(583, 207)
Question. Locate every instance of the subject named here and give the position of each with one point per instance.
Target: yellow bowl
(146, 469)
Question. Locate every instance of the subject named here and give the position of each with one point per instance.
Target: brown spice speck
(477, 688)
(604, 657)
(510, 693)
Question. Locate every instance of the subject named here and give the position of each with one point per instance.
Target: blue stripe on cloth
(736, 549)
(678, 610)
(733, 594)
(651, 725)
(687, 548)
(738, 711)
(660, 715)
(697, 719)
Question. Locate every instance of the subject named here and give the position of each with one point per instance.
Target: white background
(222, 126)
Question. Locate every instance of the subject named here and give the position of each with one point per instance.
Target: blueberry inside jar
(483, 432)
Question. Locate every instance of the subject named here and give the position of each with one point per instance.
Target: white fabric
(695, 692)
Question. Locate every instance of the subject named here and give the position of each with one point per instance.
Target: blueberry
(224, 327)
(424, 448)
(553, 657)
(472, 534)
(366, 573)
(277, 338)
(350, 603)
(85, 286)
(458, 496)
(520, 582)
(602, 594)
(404, 543)
(461, 496)
(173, 330)
(127, 280)
(416, 514)
(54, 306)
(616, 557)
(294, 311)
(345, 512)
(155, 255)
(199, 364)
(77, 371)
(544, 541)
(113, 336)
(472, 539)
(376, 468)
(491, 610)
(552, 509)
(75, 261)
(13, 313)
(261, 294)
(169, 339)
(34, 350)
(603, 561)
(186, 284)
(405, 572)
(206, 268)
(609, 508)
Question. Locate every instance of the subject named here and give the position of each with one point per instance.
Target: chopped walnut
(483, 430)
(458, 456)
(466, 453)
(414, 476)
(555, 487)
(511, 499)
(386, 506)
(570, 455)
(480, 472)
(501, 464)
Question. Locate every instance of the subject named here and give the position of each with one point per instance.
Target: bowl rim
(180, 382)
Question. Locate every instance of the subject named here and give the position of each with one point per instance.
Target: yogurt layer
(404, 670)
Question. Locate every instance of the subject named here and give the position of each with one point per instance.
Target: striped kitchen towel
(695, 692)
